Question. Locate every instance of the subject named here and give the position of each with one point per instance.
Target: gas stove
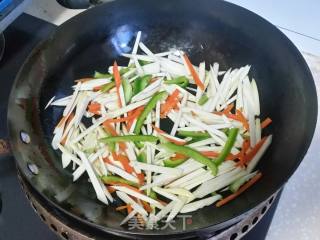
(19, 218)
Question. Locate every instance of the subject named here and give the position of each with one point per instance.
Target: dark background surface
(17, 218)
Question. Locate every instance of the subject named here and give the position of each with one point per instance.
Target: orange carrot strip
(158, 130)
(109, 128)
(124, 161)
(111, 189)
(94, 107)
(167, 107)
(122, 207)
(137, 111)
(134, 114)
(113, 132)
(62, 121)
(71, 116)
(107, 160)
(117, 80)
(193, 72)
(266, 122)
(242, 119)
(122, 146)
(129, 114)
(140, 177)
(125, 119)
(239, 118)
(254, 150)
(241, 190)
(241, 154)
(126, 185)
(172, 100)
(95, 112)
(232, 116)
(231, 157)
(146, 206)
(174, 95)
(134, 111)
(119, 120)
(63, 141)
(246, 145)
(210, 153)
(178, 156)
(170, 103)
(228, 108)
(129, 124)
(129, 209)
(214, 154)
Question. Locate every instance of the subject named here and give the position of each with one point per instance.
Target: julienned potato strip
(215, 142)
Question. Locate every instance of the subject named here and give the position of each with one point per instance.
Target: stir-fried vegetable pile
(207, 156)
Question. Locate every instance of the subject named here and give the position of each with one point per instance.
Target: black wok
(208, 30)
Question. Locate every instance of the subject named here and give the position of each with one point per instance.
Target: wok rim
(117, 232)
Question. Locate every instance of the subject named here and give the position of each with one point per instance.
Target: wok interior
(212, 32)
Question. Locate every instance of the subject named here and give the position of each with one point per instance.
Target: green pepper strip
(112, 146)
(152, 194)
(124, 70)
(101, 75)
(115, 179)
(193, 134)
(181, 81)
(225, 131)
(197, 139)
(173, 163)
(107, 87)
(196, 136)
(148, 108)
(108, 75)
(142, 157)
(130, 138)
(192, 154)
(141, 83)
(204, 98)
(127, 90)
(143, 62)
(233, 132)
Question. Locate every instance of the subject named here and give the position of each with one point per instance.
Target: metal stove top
(17, 218)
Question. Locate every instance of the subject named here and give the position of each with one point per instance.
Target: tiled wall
(297, 15)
